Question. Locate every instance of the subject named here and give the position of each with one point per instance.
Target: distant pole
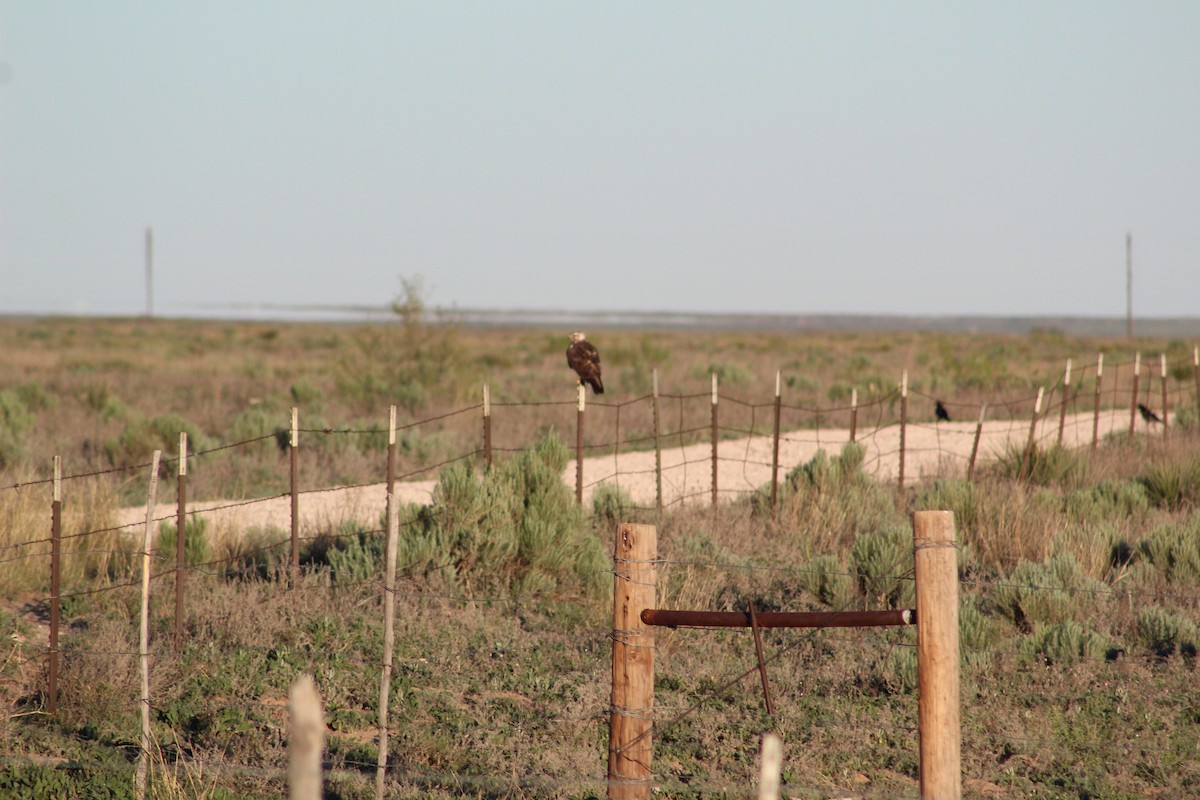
(975, 446)
(1129, 285)
(149, 273)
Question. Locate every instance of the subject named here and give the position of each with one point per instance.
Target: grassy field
(1080, 582)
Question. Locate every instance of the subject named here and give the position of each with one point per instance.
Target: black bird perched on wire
(1147, 414)
(940, 412)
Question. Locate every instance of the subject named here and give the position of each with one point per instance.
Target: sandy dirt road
(743, 465)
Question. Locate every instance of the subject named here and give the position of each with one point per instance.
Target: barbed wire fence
(618, 444)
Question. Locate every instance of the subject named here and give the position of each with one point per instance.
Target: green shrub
(142, 437)
(727, 374)
(516, 527)
(195, 543)
(1041, 466)
(1064, 643)
(1049, 593)
(1165, 634)
(611, 505)
(1108, 499)
(882, 566)
(1174, 551)
(826, 579)
(1173, 485)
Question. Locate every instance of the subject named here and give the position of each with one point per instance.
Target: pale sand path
(744, 465)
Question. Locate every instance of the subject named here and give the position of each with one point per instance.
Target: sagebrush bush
(1049, 593)
(1173, 550)
(1064, 643)
(1165, 633)
(882, 564)
(1173, 485)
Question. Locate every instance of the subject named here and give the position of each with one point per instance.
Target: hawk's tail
(596, 385)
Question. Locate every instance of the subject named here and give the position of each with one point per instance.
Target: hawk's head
(577, 336)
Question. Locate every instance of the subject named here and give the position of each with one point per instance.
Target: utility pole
(149, 273)
(1129, 285)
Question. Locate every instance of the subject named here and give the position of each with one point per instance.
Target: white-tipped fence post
(975, 445)
(1133, 396)
(1027, 458)
(180, 538)
(714, 441)
(853, 414)
(775, 442)
(903, 424)
(1196, 369)
(935, 557)
(1166, 412)
(306, 740)
(55, 583)
(487, 427)
(294, 482)
(579, 446)
(631, 719)
(143, 765)
(1096, 412)
(658, 495)
(1066, 398)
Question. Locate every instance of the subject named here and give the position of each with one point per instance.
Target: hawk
(940, 412)
(584, 358)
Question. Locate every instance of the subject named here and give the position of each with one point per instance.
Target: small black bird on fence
(1147, 414)
(584, 358)
(940, 411)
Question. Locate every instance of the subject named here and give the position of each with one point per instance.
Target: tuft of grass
(1165, 633)
(1173, 485)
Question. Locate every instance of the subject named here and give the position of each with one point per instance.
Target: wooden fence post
(55, 582)
(1096, 413)
(630, 746)
(487, 427)
(903, 424)
(775, 444)
(1066, 397)
(389, 638)
(1133, 396)
(1196, 369)
(853, 414)
(391, 456)
(180, 538)
(771, 767)
(1027, 457)
(714, 441)
(975, 445)
(579, 446)
(658, 495)
(306, 740)
(935, 556)
(1166, 412)
(294, 482)
(143, 765)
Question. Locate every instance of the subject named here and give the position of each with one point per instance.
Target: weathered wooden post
(306, 740)
(1096, 412)
(975, 445)
(180, 538)
(1196, 369)
(294, 482)
(579, 446)
(714, 441)
(775, 443)
(630, 747)
(143, 764)
(1066, 398)
(853, 414)
(935, 556)
(55, 582)
(487, 427)
(1133, 396)
(771, 767)
(391, 456)
(1032, 441)
(389, 638)
(903, 424)
(1166, 412)
(658, 495)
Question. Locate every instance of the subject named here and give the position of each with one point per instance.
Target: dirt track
(744, 465)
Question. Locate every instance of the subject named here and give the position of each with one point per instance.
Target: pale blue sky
(924, 158)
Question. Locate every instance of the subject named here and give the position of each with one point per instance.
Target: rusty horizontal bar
(779, 619)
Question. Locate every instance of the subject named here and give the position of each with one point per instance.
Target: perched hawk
(1147, 414)
(940, 412)
(584, 358)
